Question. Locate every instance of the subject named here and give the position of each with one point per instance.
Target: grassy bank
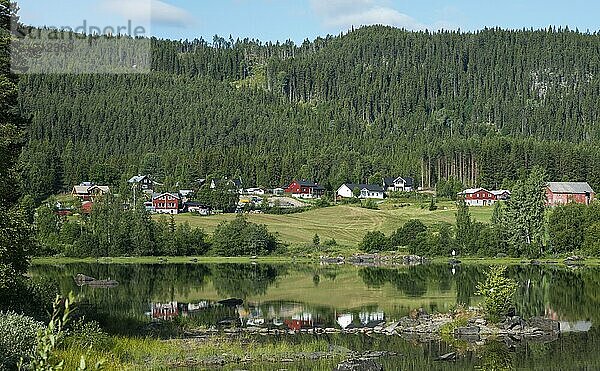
(346, 224)
(121, 353)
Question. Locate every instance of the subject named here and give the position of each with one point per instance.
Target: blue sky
(271, 20)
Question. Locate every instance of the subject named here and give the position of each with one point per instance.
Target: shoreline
(377, 260)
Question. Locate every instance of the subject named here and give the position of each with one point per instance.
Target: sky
(297, 20)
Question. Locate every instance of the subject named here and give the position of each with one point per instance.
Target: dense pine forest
(482, 107)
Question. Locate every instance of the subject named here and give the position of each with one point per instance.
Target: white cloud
(155, 11)
(347, 13)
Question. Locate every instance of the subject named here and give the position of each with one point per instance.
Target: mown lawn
(346, 224)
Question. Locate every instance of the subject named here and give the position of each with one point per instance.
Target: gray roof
(570, 187)
(370, 187)
(389, 182)
(310, 184)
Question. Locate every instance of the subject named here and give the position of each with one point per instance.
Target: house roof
(570, 187)
(388, 182)
(309, 183)
(369, 187)
(81, 190)
(471, 191)
(500, 192)
(235, 182)
(137, 178)
(104, 189)
(164, 194)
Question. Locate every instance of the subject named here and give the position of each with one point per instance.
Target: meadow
(346, 224)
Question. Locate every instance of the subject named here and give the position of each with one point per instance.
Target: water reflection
(306, 296)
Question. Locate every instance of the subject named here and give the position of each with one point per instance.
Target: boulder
(514, 323)
(544, 324)
(412, 260)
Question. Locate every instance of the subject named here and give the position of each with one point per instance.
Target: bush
(498, 292)
(374, 241)
(88, 335)
(242, 238)
(18, 336)
(370, 204)
(406, 235)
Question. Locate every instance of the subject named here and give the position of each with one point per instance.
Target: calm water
(306, 296)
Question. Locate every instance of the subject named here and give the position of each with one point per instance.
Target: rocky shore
(421, 327)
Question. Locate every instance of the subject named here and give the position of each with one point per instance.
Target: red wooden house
(305, 189)
(478, 197)
(561, 193)
(166, 203)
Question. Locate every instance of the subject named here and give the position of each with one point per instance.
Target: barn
(561, 193)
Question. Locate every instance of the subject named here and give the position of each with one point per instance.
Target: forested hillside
(482, 107)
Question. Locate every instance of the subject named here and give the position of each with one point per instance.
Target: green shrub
(370, 204)
(18, 335)
(242, 238)
(374, 241)
(498, 292)
(88, 335)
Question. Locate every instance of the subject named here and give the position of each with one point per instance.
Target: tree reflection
(495, 356)
(244, 280)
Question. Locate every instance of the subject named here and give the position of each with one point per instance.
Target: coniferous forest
(482, 108)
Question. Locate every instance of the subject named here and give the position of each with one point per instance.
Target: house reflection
(292, 316)
(363, 319)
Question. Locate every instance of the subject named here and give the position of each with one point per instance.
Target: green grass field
(346, 224)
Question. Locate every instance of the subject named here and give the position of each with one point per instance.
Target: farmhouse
(166, 203)
(346, 190)
(143, 182)
(477, 197)
(305, 189)
(399, 184)
(561, 193)
(87, 191)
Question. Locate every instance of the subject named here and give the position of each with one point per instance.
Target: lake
(304, 296)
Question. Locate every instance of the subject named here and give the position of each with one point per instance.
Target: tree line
(112, 230)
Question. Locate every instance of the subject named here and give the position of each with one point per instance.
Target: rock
(359, 365)
(447, 357)
(466, 331)
(391, 328)
(515, 323)
(544, 324)
(480, 322)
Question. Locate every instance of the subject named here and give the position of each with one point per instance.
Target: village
(300, 193)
